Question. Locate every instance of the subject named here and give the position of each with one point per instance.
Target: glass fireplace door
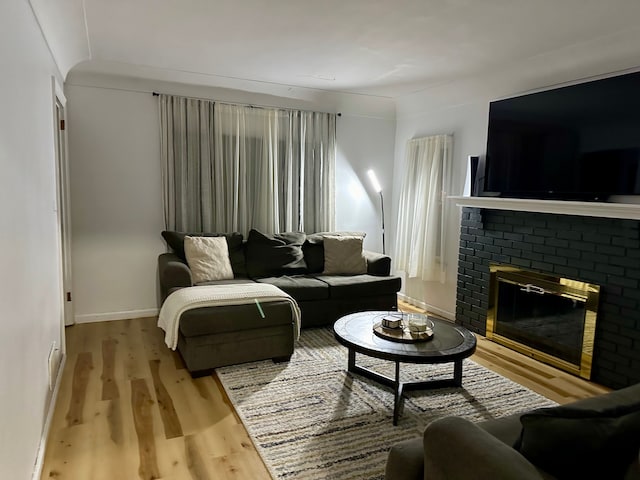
(546, 317)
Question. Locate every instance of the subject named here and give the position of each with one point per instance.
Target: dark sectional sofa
(294, 262)
(295, 267)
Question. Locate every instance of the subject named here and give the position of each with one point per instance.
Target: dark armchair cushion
(570, 442)
(275, 255)
(175, 240)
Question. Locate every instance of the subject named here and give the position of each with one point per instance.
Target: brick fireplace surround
(604, 251)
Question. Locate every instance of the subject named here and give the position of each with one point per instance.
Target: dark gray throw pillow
(275, 255)
(313, 250)
(175, 240)
(573, 443)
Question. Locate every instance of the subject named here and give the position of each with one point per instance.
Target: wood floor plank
(195, 459)
(170, 420)
(235, 467)
(65, 459)
(155, 345)
(198, 403)
(141, 403)
(109, 385)
(118, 434)
(114, 421)
(153, 341)
(82, 370)
(135, 364)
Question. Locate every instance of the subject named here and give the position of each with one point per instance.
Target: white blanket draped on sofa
(189, 298)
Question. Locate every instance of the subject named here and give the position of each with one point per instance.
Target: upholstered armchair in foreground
(594, 438)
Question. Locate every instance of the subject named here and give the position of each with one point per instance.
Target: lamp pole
(382, 208)
(376, 186)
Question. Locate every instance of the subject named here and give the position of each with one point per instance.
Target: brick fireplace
(602, 251)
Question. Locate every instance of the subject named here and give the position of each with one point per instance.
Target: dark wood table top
(450, 342)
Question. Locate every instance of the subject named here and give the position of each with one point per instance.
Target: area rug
(310, 419)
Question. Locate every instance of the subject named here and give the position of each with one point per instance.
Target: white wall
(364, 143)
(116, 202)
(116, 193)
(30, 291)
(462, 109)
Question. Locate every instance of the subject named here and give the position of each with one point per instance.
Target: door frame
(63, 204)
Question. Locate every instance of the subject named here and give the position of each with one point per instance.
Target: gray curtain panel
(232, 168)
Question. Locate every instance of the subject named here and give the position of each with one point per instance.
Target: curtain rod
(157, 94)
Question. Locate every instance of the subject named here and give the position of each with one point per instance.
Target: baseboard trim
(427, 307)
(106, 317)
(42, 448)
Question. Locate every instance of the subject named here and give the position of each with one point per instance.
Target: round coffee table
(450, 343)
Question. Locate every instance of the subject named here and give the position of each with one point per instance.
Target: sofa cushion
(208, 258)
(232, 318)
(300, 287)
(570, 442)
(275, 255)
(313, 249)
(355, 286)
(343, 255)
(175, 240)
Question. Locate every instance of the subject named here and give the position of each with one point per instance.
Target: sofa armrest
(377, 263)
(457, 448)
(405, 461)
(173, 273)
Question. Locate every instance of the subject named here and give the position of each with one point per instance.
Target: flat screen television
(579, 142)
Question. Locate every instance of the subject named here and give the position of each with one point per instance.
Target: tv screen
(580, 142)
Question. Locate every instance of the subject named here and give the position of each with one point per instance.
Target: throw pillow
(343, 255)
(175, 240)
(208, 258)
(275, 255)
(570, 442)
(313, 248)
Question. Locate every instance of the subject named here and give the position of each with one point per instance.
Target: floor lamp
(378, 189)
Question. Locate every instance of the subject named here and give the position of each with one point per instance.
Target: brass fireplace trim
(573, 289)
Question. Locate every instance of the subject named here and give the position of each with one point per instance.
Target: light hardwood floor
(128, 409)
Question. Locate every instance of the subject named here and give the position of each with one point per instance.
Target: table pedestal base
(400, 387)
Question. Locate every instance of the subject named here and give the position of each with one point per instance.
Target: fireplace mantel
(585, 209)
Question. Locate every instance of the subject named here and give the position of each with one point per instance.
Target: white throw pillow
(343, 255)
(208, 258)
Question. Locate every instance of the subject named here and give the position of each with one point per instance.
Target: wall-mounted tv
(579, 142)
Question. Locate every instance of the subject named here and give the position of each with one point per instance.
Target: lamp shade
(374, 181)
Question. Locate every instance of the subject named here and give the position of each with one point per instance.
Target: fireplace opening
(548, 318)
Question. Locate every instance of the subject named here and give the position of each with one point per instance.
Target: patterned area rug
(309, 419)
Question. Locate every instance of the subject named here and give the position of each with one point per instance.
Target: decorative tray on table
(410, 328)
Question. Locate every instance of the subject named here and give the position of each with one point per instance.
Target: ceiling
(386, 48)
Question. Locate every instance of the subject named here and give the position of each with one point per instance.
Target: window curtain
(233, 168)
(420, 246)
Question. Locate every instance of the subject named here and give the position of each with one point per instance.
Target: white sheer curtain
(420, 245)
(270, 169)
